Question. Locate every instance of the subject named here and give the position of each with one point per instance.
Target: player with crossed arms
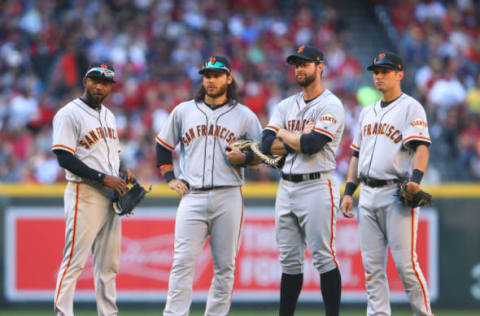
(209, 184)
(307, 127)
(86, 143)
(392, 139)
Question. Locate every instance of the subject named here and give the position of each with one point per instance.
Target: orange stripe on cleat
(73, 242)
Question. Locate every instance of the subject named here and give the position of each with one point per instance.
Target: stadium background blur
(157, 47)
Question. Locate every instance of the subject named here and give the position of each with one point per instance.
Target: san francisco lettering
(296, 125)
(93, 136)
(203, 131)
(384, 129)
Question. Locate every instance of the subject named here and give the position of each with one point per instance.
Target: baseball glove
(421, 198)
(125, 204)
(254, 146)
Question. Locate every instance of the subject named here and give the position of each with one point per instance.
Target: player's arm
(71, 163)
(420, 164)
(350, 186)
(237, 157)
(165, 163)
(306, 143)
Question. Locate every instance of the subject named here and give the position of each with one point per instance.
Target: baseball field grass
(243, 312)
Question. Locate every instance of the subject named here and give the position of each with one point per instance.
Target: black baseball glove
(124, 204)
(420, 198)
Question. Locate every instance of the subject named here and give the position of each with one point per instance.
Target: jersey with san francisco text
(90, 135)
(328, 114)
(203, 134)
(382, 135)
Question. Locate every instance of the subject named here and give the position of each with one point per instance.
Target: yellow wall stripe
(250, 190)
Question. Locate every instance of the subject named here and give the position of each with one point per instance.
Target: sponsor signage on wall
(35, 238)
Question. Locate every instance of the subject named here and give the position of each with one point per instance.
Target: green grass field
(243, 312)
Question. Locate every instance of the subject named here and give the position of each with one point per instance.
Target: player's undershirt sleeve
(164, 156)
(71, 163)
(270, 131)
(312, 143)
(64, 133)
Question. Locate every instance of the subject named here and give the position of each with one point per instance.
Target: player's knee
(291, 265)
(324, 265)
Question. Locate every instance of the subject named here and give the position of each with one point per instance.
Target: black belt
(215, 187)
(377, 183)
(301, 177)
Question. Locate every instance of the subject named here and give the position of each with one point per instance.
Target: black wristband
(249, 156)
(101, 177)
(350, 188)
(417, 176)
(169, 176)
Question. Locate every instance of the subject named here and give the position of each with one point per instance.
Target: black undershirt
(68, 161)
(384, 104)
(214, 107)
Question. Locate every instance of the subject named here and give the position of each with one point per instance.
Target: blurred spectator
(157, 47)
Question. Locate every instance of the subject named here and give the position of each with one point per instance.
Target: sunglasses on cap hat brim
(99, 72)
(218, 66)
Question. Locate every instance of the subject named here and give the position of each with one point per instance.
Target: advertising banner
(35, 238)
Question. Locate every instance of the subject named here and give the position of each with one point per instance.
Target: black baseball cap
(101, 70)
(306, 53)
(387, 60)
(216, 63)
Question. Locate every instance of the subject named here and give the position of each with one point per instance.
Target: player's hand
(115, 183)
(130, 176)
(179, 186)
(347, 206)
(308, 128)
(234, 155)
(281, 133)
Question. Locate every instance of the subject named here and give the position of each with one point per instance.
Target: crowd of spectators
(440, 41)
(156, 48)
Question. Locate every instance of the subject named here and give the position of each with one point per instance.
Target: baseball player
(308, 127)
(85, 141)
(209, 184)
(391, 140)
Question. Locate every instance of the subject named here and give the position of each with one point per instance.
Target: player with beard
(209, 179)
(307, 127)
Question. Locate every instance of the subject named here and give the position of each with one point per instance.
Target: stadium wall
(31, 221)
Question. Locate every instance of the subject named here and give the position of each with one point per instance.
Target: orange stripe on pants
(413, 261)
(73, 242)
(332, 222)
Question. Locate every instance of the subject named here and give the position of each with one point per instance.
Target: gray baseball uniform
(383, 221)
(91, 224)
(305, 211)
(214, 207)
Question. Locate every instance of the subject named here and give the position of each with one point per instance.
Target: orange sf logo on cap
(382, 55)
(103, 66)
(300, 49)
(213, 60)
